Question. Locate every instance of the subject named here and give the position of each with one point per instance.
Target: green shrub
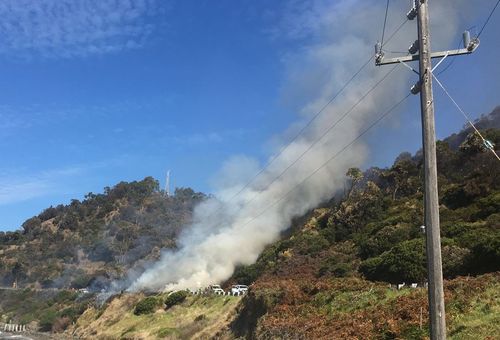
(403, 263)
(485, 253)
(247, 274)
(146, 306)
(175, 298)
(338, 265)
(454, 259)
(310, 244)
(73, 312)
(65, 296)
(47, 320)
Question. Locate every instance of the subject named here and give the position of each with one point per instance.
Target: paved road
(35, 289)
(29, 336)
(4, 335)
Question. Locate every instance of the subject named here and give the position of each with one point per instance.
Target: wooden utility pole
(431, 201)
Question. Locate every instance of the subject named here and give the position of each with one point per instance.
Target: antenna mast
(167, 184)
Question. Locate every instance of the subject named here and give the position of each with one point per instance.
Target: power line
(303, 129)
(317, 140)
(385, 114)
(385, 22)
(313, 118)
(452, 60)
(395, 32)
(328, 130)
(488, 19)
(486, 142)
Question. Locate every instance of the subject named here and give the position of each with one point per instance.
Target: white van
(239, 289)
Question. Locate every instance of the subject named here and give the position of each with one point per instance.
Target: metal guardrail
(12, 327)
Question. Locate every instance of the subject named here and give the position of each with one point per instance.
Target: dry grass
(199, 317)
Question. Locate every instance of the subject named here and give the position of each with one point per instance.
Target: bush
(338, 265)
(175, 298)
(47, 320)
(81, 281)
(403, 263)
(73, 312)
(310, 244)
(146, 306)
(246, 275)
(485, 253)
(454, 259)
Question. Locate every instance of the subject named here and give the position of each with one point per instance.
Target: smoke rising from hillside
(336, 38)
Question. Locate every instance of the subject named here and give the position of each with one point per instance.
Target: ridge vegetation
(331, 275)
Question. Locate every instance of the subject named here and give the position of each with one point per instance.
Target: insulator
(489, 144)
(466, 38)
(415, 89)
(412, 13)
(414, 47)
(379, 55)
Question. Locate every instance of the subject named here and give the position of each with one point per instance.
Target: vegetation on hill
(47, 310)
(324, 279)
(90, 242)
(353, 308)
(331, 275)
(196, 317)
(375, 231)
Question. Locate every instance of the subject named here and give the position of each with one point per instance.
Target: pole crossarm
(416, 57)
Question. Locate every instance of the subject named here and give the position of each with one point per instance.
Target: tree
(32, 225)
(175, 298)
(472, 144)
(400, 176)
(355, 175)
(146, 306)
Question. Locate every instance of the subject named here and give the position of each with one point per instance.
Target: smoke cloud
(335, 38)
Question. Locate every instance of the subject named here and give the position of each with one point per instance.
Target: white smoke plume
(337, 37)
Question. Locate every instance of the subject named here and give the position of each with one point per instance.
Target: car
(239, 289)
(216, 289)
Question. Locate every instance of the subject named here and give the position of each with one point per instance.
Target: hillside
(331, 275)
(302, 308)
(92, 242)
(325, 278)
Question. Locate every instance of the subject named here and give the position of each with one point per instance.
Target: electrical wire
(255, 195)
(311, 120)
(485, 141)
(451, 62)
(488, 19)
(328, 130)
(396, 31)
(385, 22)
(365, 131)
(302, 130)
(385, 114)
(374, 123)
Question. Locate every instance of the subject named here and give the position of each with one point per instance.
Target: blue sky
(96, 92)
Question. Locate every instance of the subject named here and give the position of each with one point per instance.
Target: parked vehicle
(216, 289)
(239, 289)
